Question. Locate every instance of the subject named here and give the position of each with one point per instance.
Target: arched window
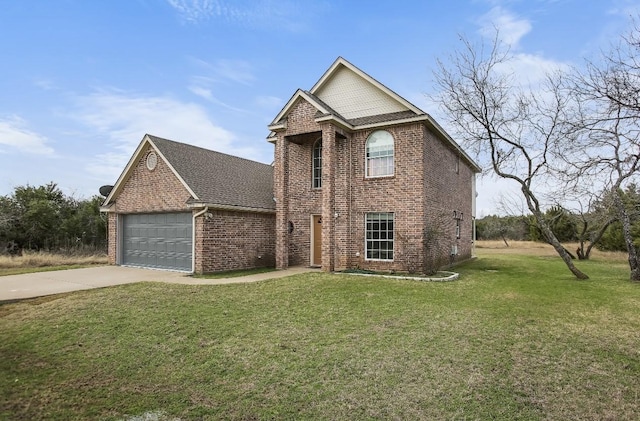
(317, 164)
(379, 151)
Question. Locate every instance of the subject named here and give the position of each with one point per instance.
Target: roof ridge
(153, 138)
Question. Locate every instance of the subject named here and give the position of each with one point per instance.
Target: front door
(316, 241)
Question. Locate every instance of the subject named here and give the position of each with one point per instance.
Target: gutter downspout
(193, 236)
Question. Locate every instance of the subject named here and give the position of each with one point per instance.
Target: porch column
(280, 191)
(328, 196)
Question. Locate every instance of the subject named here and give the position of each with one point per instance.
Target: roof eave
(221, 206)
(278, 126)
(336, 120)
(107, 208)
(297, 95)
(440, 130)
(415, 119)
(125, 173)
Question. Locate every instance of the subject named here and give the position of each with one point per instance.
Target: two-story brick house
(363, 178)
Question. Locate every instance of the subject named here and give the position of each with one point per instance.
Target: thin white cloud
(268, 102)
(224, 70)
(624, 8)
(119, 120)
(510, 28)
(14, 132)
(236, 70)
(220, 72)
(531, 69)
(287, 15)
(201, 92)
(195, 10)
(45, 84)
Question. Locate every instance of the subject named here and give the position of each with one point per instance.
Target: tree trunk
(623, 216)
(634, 264)
(553, 240)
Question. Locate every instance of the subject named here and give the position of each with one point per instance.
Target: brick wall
(112, 244)
(446, 191)
(423, 193)
(401, 194)
(152, 191)
(296, 199)
(229, 240)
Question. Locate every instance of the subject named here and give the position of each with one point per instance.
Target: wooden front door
(316, 241)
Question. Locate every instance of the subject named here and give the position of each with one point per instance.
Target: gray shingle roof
(380, 118)
(374, 119)
(220, 179)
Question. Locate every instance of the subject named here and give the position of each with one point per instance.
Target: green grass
(516, 338)
(234, 273)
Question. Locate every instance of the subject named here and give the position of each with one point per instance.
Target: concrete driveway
(30, 285)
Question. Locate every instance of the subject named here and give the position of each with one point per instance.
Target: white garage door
(158, 240)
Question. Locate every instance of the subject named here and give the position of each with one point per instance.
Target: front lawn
(516, 337)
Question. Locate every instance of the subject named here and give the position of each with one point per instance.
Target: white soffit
(353, 96)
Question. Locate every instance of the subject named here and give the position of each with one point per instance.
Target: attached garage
(158, 240)
(180, 207)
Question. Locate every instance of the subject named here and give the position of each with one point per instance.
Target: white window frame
(316, 180)
(388, 156)
(369, 218)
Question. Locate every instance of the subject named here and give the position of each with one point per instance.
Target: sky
(81, 82)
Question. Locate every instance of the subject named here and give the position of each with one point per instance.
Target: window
(379, 236)
(317, 164)
(379, 151)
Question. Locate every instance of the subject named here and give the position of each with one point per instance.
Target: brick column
(328, 196)
(280, 182)
(112, 239)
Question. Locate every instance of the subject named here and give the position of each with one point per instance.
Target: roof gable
(354, 94)
(212, 178)
(129, 168)
(298, 96)
(351, 99)
(348, 95)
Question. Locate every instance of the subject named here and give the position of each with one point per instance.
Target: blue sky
(83, 81)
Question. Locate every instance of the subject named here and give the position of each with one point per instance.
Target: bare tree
(608, 151)
(591, 224)
(515, 129)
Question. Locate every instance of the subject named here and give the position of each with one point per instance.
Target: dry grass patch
(31, 261)
(533, 248)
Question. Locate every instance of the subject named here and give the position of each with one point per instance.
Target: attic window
(152, 161)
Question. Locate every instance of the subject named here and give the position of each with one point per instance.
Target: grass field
(515, 338)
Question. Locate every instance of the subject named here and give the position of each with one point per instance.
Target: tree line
(44, 218)
(597, 228)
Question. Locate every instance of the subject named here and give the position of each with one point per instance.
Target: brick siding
(229, 240)
(158, 190)
(423, 194)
